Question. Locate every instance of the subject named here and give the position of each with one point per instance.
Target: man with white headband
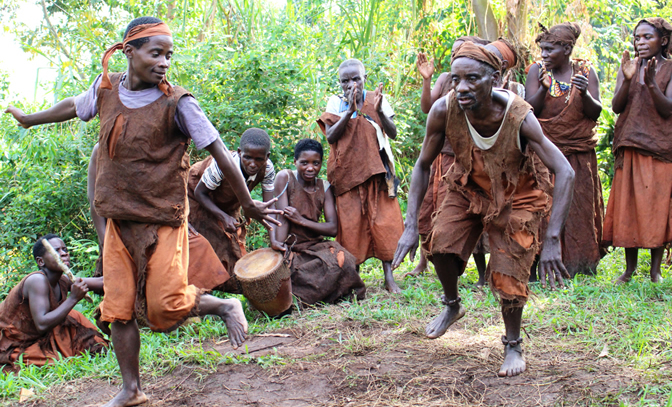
(141, 189)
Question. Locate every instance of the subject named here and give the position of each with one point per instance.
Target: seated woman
(322, 270)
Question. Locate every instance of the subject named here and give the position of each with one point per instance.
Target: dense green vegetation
(251, 63)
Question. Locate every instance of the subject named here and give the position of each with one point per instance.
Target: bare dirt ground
(376, 366)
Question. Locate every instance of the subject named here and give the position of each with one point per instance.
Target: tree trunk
(516, 19)
(488, 27)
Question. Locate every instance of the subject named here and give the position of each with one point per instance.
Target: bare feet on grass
(656, 277)
(390, 284)
(419, 269)
(446, 318)
(231, 312)
(514, 363)
(127, 398)
(624, 278)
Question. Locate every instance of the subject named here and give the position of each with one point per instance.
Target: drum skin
(265, 280)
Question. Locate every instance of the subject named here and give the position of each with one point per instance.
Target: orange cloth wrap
(506, 51)
(477, 53)
(137, 32)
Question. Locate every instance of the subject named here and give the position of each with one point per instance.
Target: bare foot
(448, 317)
(419, 269)
(233, 316)
(480, 283)
(624, 278)
(391, 286)
(656, 277)
(514, 363)
(127, 398)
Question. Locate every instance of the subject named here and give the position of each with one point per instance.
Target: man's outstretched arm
(551, 256)
(431, 147)
(60, 112)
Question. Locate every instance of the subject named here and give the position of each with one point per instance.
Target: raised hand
(425, 68)
(408, 243)
(78, 289)
(544, 77)
(18, 115)
(628, 66)
(378, 99)
(262, 213)
(551, 266)
(650, 73)
(352, 100)
(580, 82)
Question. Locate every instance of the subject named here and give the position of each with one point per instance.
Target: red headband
(139, 31)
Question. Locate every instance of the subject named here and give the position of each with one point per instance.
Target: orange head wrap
(507, 51)
(137, 32)
(664, 30)
(477, 53)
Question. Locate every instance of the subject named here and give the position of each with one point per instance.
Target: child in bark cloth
(322, 270)
(360, 169)
(37, 320)
(639, 212)
(495, 185)
(141, 189)
(214, 208)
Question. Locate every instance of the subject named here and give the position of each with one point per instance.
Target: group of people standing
(501, 167)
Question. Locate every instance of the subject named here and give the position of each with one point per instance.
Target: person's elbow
(566, 172)
(332, 230)
(42, 327)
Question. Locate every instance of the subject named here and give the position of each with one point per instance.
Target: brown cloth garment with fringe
(19, 335)
(639, 212)
(230, 247)
(142, 160)
(141, 188)
(322, 270)
(369, 221)
(510, 210)
(573, 133)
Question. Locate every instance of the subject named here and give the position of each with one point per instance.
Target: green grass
(632, 320)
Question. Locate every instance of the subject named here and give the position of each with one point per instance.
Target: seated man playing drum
(322, 270)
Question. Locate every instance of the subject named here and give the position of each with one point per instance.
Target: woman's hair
(308, 144)
(140, 21)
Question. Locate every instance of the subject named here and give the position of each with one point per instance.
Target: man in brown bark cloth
(639, 212)
(565, 95)
(360, 169)
(141, 189)
(322, 270)
(214, 209)
(495, 185)
(37, 319)
(437, 189)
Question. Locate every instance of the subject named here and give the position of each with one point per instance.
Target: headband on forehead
(137, 32)
(508, 54)
(473, 51)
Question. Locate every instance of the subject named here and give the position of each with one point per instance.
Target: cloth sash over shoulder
(504, 161)
(571, 131)
(142, 160)
(640, 126)
(356, 157)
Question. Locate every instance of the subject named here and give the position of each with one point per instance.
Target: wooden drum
(265, 280)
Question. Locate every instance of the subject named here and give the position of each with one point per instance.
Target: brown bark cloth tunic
(141, 188)
(369, 221)
(573, 133)
(230, 247)
(322, 270)
(509, 210)
(436, 189)
(19, 335)
(639, 212)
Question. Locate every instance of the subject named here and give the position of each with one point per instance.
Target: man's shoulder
(35, 282)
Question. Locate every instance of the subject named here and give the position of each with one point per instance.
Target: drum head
(257, 264)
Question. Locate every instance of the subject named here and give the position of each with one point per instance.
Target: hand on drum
(551, 266)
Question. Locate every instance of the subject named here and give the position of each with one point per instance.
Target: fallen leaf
(25, 394)
(605, 352)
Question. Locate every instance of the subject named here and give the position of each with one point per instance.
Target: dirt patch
(375, 365)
